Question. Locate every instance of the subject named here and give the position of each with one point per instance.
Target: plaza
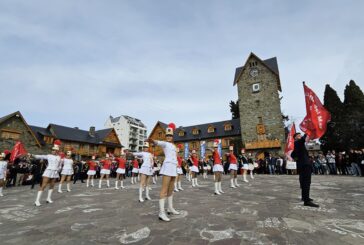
(267, 210)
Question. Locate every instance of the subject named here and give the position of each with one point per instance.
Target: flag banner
(17, 151)
(219, 148)
(315, 122)
(202, 149)
(290, 142)
(186, 151)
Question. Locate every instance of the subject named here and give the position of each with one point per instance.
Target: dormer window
(228, 127)
(211, 129)
(181, 133)
(195, 131)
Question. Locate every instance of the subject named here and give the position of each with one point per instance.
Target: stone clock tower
(261, 123)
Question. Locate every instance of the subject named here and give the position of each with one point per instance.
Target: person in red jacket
(120, 172)
(178, 181)
(91, 171)
(135, 171)
(194, 168)
(233, 167)
(217, 169)
(105, 171)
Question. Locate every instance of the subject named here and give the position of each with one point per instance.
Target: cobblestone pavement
(267, 210)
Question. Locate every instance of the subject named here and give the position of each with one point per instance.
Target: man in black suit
(304, 168)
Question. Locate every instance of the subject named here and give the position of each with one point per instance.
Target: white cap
(146, 144)
(55, 147)
(69, 153)
(2, 155)
(231, 148)
(107, 155)
(193, 152)
(93, 157)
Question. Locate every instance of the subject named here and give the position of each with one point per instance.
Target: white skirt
(120, 170)
(205, 168)
(233, 166)
(179, 170)
(67, 172)
(105, 171)
(168, 169)
(251, 166)
(194, 169)
(146, 170)
(135, 170)
(52, 174)
(218, 168)
(245, 166)
(91, 172)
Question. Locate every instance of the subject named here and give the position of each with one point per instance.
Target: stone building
(261, 122)
(39, 140)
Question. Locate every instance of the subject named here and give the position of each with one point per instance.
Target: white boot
(138, 178)
(196, 183)
(175, 187)
(214, 177)
(1, 192)
(49, 200)
(180, 185)
(217, 189)
(251, 175)
(132, 180)
(116, 185)
(68, 187)
(193, 182)
(100, 182)
(122, 184)
(232, 183)
(170, 208)
(154, 180)
(244, 177)
(60, 188)
(37, 201)
(236, 182)
(220, 190)
(147, 194)
(92, 182)
(162, 213)
(141, 194)
(108, 183)
(87, 182)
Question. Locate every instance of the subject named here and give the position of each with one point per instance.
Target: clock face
(253, 72)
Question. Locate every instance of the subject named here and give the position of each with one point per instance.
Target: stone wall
(264, 104)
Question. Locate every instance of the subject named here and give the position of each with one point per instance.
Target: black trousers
(305, 172)
(37, 178)
(78, 176)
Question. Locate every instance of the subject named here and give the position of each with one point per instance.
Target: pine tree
(353, 120)
(333, 138)
(234, 109)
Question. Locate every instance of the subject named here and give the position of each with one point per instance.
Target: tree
(353, 117)
(234, 109)
(333, 138)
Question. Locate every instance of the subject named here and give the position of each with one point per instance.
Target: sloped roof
(219, 131)
(270, 63)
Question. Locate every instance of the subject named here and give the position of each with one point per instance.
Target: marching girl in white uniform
(120, 172)
(178, 182)
(105, 171)
(135, 171)
(217, 169)
(194, 168)
(67, 172)
(233, 167)
(245, 163)
(3, 167)
(51, 174)
(91, 171)
(169, 173)
(146, 171)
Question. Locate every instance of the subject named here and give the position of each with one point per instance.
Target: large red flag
(315, 122)
(17, 151)
(290, 142)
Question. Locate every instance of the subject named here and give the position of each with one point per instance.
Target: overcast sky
(76, 62)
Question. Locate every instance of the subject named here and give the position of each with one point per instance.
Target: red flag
(315, 122)
(290, 142)
(17, 151)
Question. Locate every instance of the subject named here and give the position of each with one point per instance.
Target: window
(228, 127)
(181, 133)
(160, 134)
(210, 129)
(8, 134)
(48, 139)
(194, 145)
(195, 131)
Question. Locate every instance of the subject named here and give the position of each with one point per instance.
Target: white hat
(216, 143)
(171, 127)
(146, 144)
(55, 147)
(69, 153)
(193, 151)
(231, 148)
(107, 155)
(93, 157)
(2, 155)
